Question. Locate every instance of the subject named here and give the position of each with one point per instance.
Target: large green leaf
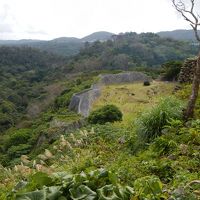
(108, 192)
(63, 186)
(38, 180)
(98, 178)
(53, 193)
(80, 178)
(63, 178)
(48, 193)
(36, 195)
(82, 192)
(123, 192)
(148, 186)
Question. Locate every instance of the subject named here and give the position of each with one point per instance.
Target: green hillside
(184, 35)
(113, 160)
(159, 49)
(130, 50)
(26, 75)
(31, 78)
(134, 144)
(63, 46)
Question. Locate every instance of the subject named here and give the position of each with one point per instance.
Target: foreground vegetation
(109, 162)
(31, 132)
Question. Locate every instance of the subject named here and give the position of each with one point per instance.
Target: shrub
(108, 113)
(148, 187)
(20, 136)
(164, 146)
(6, 122)
(150, 123)
(146, 83)
(163, 169)
(171, 70)
(17, 151)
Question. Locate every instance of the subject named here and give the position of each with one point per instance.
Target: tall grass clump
(150, 124)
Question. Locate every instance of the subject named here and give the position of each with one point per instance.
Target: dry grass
(133, 98)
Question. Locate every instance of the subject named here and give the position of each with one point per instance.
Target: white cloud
(46, 19)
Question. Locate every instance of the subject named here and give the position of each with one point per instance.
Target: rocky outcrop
(187, 71)
(81, 102)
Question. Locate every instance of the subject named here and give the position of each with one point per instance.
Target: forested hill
(184, 35)
(129, 50)
(70, 46)
(24, 72)
(31, 57)
(64, 46)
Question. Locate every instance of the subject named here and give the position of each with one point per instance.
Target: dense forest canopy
(31, 57)
(24, 72)
(63, 46)
(184, 35)
(130, 50)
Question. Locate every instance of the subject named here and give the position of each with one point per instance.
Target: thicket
(152, 174)
(129, 51)
(18, 141)
(108, 113)
(171, 70)
(24, 73)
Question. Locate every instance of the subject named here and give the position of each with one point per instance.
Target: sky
(48, 19)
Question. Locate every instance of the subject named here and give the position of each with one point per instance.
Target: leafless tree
(188, 13)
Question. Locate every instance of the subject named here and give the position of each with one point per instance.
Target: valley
(133, 142)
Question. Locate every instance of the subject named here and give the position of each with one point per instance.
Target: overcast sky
(47, 19)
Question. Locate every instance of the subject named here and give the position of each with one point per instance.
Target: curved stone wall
(81, 102)
(127, 77)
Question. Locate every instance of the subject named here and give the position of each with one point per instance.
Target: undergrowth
(98, 162)
(151, 122)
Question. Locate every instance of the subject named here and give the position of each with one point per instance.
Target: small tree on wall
(188, 13)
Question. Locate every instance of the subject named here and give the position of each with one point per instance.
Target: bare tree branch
(188, 15)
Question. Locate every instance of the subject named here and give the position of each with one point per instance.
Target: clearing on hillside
(131, 99)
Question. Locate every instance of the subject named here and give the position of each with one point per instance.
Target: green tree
(171, 70)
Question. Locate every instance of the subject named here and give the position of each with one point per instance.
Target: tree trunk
(189, 112)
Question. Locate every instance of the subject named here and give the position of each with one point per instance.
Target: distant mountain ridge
(65, 46)
(181, 34)
(101, 36)
(69, 46)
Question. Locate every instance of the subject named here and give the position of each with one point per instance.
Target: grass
(173, 157)
(132, 99)
(151, 123)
